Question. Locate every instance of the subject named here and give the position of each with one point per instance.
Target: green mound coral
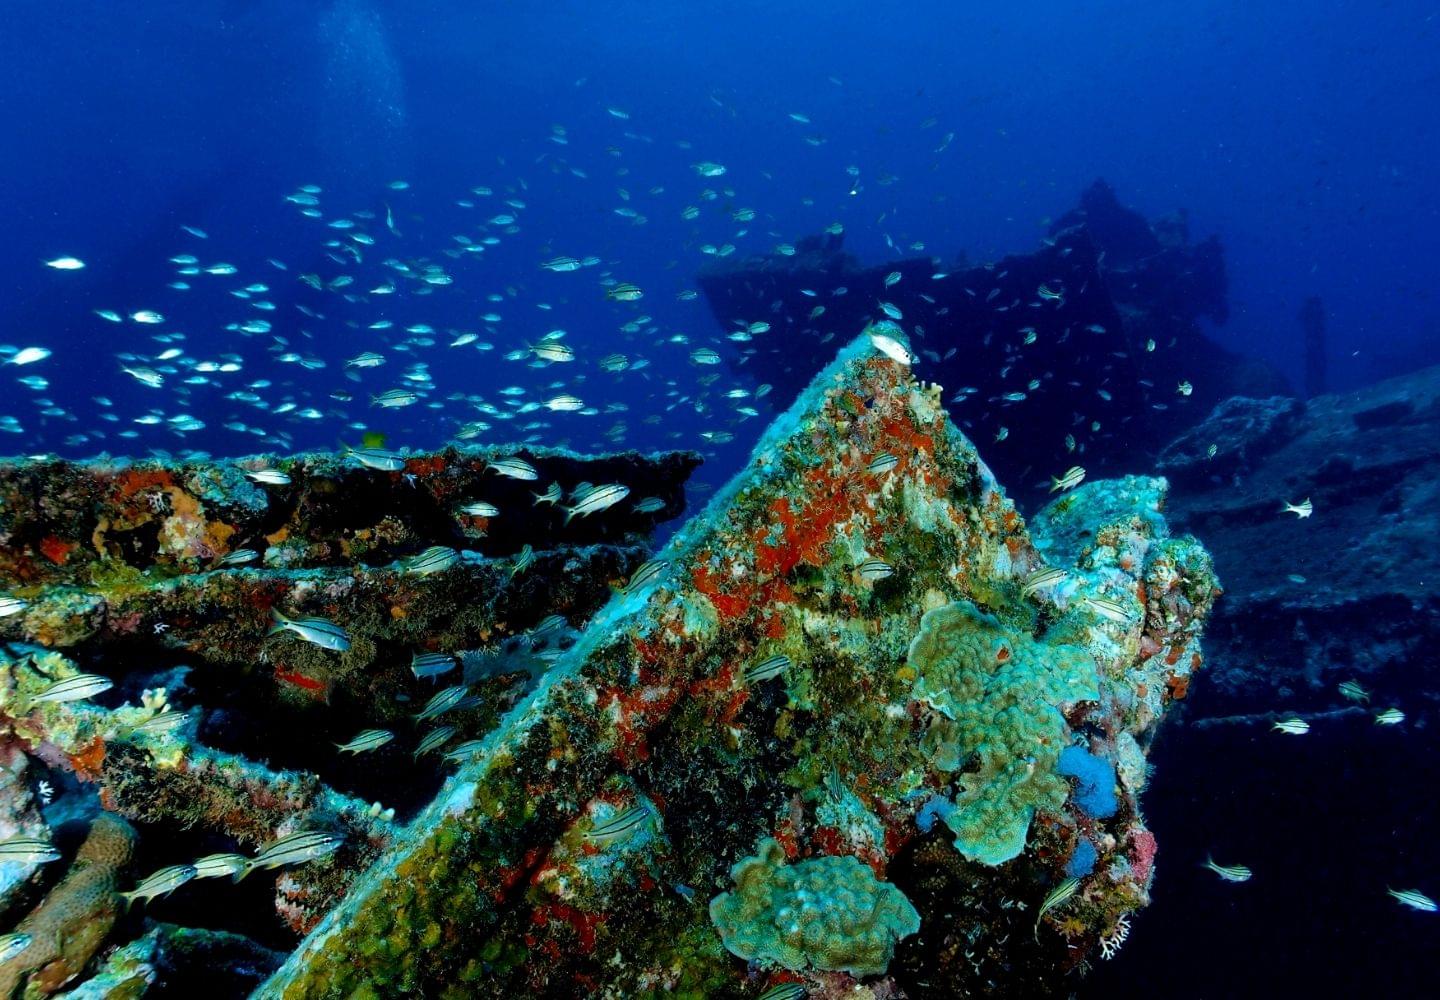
(830, 913)
(999, 692)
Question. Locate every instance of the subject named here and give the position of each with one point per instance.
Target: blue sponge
(1095, 781)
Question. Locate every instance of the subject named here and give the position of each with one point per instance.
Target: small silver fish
(1058, 897)
(239, 557)
(28, 851)
(513, 468)
(377, 459)
(1230, 873)
(442, 702)
(1353, 691)
(873, 570)
(598, 499)
(524, 559)
(1294, 726)
(646, 574)
(881, 464)
(771, 666)
(552, 494)
(162, 723)
(219, 865)
(479, 508)
(366, 740)
(649, 505)
(321, 632)
(1413, 898)
(12, 606)
(296, 848)
(1301, 510)
(161, 883)
(1072, 478)
(463, 751)
(13, 944)
(1106, 608)
(435, 559)
(620, 826)
(431, 665)
(1390, 717)
(433, 740)
(268, 477)
(76, 688)
(1040, 579)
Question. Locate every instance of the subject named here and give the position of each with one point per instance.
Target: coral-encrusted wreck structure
(221, 735)
(821, 666)
(856, 730)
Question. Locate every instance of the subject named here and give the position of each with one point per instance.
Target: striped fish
(321, 632)
(620, 826)
(433, 740)
(1040, 579)
(646, 574)
(874, 570)
(1072, 478)
(164, 722)
(1353, 691)
(1294, 726)
(377, 459)
(162, 883)
(771, 666)
(76, 688)
(1106, 608)
(366, 740)
(219, 865)
(240, 557)
(553, 350)
(548, 624)
(649, 505)
(513, 468)
(296, 848)
(882, 463)
(28, 851)
(552, 494)
(12, 606)
(785, 991)
(13, 944)
(1390, 717)
(598, 499)
(464, 751)
(1230, 873)
(435, 559)
(1413, 898)
(442, 702)
(431, 665)
(1058, 897)
(479, 508)
(524, 559)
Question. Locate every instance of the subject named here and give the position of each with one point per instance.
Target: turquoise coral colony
(858, 729)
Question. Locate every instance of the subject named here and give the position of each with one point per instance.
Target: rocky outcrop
(1342, 594)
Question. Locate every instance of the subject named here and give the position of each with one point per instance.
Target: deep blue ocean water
(1304, 134)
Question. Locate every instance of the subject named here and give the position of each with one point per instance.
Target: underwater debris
(191, 689)
(646, 727)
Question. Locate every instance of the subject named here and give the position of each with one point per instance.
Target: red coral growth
(88, 761)
(1143, 858)
(57, 550)
(316, 687)
(133, 481)
(425, 465)
(1178, 686)
(727, 605)
(582, 923)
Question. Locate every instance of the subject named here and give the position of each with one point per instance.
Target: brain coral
(999, 691)
(830, 913)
